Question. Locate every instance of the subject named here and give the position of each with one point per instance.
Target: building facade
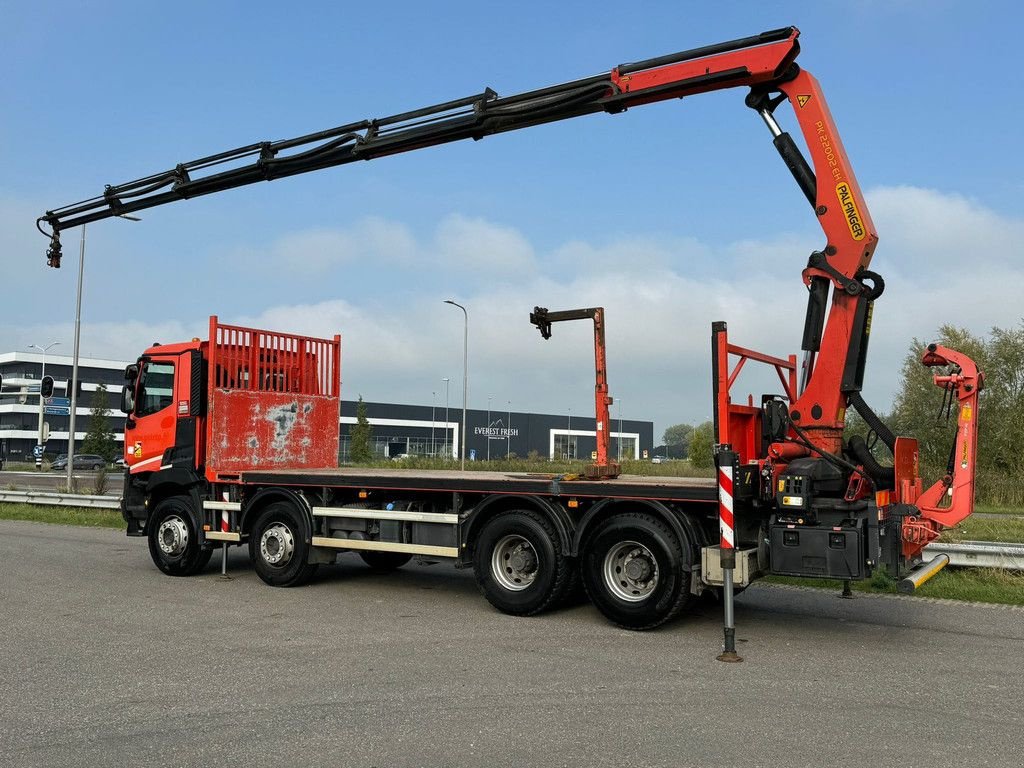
(423, 430)
(20, 406)
(397, 430)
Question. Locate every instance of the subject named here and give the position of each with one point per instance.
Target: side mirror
(131, 373)
(128, 398)
(46, 386)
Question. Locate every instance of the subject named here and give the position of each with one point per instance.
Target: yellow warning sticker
(965, 413)
(802, 99)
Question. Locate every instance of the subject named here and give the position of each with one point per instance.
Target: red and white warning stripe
(225, 525)
(725, 519)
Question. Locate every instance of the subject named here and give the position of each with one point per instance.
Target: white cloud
(925, 230)
(458, 243)
(945, 260)
(482, 246)
(315, 251)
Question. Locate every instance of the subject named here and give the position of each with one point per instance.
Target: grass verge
(1002, 528)
(38, 513)
(992, 509)
(981, 585)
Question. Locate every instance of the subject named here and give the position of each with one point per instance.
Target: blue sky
(670, 215)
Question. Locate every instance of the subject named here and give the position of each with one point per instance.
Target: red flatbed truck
(235, 440)
(229, 438)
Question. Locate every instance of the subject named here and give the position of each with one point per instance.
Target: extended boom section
(745, 62)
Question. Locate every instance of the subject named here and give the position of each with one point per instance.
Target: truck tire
(277, 549)
(384, 562)
(173, 539)
(633, 571)
(519, 565)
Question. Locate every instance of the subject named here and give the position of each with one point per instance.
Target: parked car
(82, 461)
(120, 463)
(658, 460)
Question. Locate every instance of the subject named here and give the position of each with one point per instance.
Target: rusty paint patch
(283, 417)
(254, 430)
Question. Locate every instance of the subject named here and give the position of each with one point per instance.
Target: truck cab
(200, 412)
(163, 400)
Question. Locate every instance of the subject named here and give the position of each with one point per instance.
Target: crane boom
(751, 61)
(765, 63)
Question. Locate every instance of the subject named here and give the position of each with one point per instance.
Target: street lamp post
(508, 433)
(465, 372)
(568, 438)
(42, 375)
(74, 360)
(620, 430)
(489, 426)
(433, 407)
(446, 421)
(74, 365)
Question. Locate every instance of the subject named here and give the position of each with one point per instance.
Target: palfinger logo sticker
(849, 206)
(802, 99)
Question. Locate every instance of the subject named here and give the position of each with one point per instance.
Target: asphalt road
(104, 661)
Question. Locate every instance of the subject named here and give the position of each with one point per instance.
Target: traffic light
(46, 386)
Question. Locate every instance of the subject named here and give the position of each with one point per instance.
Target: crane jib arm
(835, 335)
(762, 62)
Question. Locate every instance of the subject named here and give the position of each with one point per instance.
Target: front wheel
(173, 539)
(634, 571)
(278, 551)
(519, 565)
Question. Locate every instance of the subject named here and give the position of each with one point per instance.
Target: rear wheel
(634, 571)
(519, 564)
(173, 539)
(384, 562)
(278, 551)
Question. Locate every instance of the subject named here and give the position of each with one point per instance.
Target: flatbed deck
(691, 489)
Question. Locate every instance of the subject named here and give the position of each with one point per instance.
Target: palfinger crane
(810, 503)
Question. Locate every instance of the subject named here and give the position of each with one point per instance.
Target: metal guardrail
(978, 554)
(60, 499)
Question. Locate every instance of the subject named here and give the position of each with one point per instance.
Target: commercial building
(397, 430)
(423, 430)
(19, 400)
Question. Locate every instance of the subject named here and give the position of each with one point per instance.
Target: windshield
(156, 388)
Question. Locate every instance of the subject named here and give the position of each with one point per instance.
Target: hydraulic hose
(872, 420)
(884, 477)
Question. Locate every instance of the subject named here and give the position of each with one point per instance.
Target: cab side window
(156, 388)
